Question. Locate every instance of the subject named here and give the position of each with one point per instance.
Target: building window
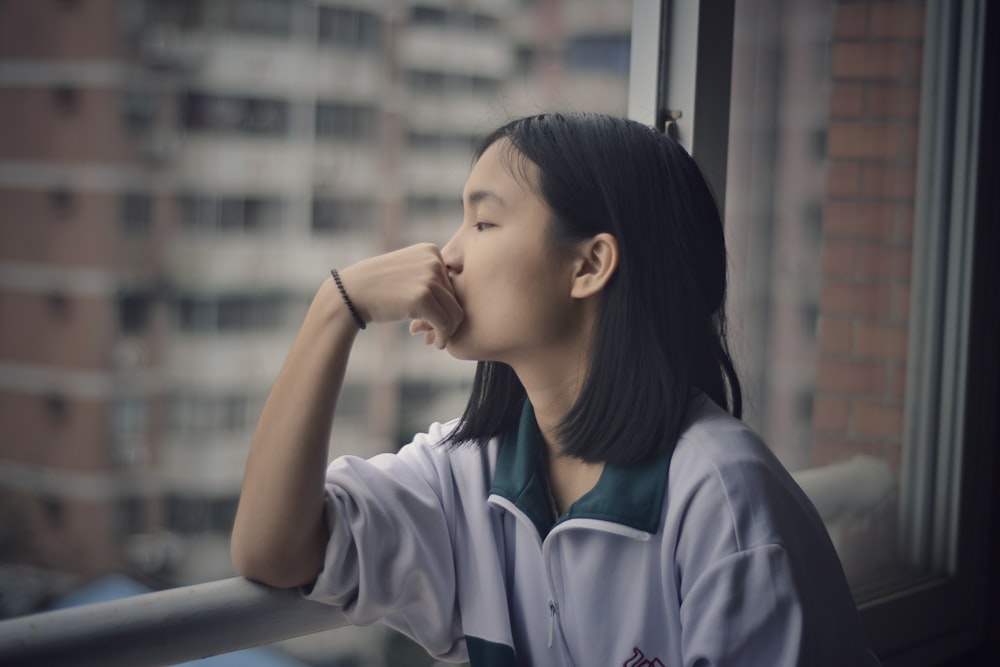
(53, 509)
(136, 215)
(201, 414)
(437, 141)
(349, 122)
(59, 303)
(349, 28)
(426, 15)
(235, 114)
(229, 314)
(230, 215)
(436, 206)
(57, 407)
(63, 199)
(66, 98)
(425, 82)
(129, 430)
(138, 110)
(134, 313)
(185, 14)
(332, 215)
(270, 18)
(198, 515)
(130, 516)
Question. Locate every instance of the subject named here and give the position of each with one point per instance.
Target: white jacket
(709, 557)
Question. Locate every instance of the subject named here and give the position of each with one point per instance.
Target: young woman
(597, 504)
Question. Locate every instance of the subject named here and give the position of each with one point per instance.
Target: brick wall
(875, 67)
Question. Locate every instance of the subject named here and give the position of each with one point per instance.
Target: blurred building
(176, 179)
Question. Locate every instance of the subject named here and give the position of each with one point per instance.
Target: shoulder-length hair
(660, 336)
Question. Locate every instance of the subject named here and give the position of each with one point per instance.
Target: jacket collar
(629, 495)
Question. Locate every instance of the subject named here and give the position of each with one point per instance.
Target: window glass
(133, 313)
(349, 27)
(136, 215)
(820, 206)
(232, 113)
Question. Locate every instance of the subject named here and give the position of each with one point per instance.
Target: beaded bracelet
(347, 299)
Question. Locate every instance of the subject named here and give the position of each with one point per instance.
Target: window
(425, 15)
(129, 430)
(204, 214)
(136, 215)
(271, 18)
(236, 114)
(333, 215)
(422, 82)
(445, 207)
(229, 314)
(63, 199)
(57, 407)
(352, 122)
(130, 516)
(429, 140)
(138, 110)
(199, 413)
(193, 515)
(133, 313)
(849, 174)
(66, 98)
(349, 28)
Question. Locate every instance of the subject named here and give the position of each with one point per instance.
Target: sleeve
(390, 555)
(758, 579)
(743, 610)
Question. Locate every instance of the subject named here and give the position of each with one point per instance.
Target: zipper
(553, 610)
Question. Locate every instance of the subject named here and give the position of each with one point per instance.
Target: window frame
(680, 80)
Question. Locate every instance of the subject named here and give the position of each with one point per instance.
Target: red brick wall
(875, 66)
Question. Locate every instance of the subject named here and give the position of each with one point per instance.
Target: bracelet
(347, 299)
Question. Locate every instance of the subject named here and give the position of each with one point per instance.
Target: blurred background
(177, 177)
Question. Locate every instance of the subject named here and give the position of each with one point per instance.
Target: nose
(451, 254)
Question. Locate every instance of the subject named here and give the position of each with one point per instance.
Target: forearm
(279, 535)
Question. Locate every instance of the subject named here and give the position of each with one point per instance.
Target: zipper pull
(553, 610)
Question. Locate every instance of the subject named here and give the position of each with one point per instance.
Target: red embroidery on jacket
(640, 660)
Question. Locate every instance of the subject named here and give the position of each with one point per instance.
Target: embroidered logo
(640, 660)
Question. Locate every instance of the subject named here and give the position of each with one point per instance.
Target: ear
(597, 262)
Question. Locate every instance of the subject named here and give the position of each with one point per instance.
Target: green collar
(630, 495)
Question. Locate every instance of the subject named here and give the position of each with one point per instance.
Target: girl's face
(513, 282)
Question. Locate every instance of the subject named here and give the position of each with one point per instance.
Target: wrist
(358, 319)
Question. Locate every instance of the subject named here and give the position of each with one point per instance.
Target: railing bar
(165, 627)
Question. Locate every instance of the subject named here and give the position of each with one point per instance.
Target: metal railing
(165, 627)
(197, 621)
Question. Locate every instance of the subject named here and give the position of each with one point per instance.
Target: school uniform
(710, 555)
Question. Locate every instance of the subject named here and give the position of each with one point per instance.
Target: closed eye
(483, 226)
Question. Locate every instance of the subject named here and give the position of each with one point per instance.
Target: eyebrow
(478, 196)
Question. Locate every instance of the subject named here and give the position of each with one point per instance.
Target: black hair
(660, 336)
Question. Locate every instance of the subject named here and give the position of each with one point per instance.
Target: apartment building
(176, 179)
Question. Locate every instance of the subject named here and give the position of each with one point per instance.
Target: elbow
(278, 568)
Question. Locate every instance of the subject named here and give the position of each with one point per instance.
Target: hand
(411, 283)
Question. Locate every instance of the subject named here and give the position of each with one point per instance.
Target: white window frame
(681, 71)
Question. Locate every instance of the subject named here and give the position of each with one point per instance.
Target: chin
(462, 348)
(459, 351)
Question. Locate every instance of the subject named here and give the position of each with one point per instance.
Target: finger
(448, 311)
(418, 326)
